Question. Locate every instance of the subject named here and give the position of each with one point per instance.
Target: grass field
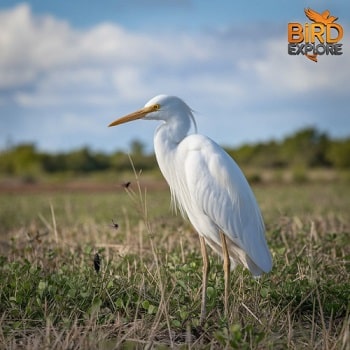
(147, 292)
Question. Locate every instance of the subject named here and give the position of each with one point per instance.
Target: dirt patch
(16, 187)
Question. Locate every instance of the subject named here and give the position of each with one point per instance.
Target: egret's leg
(206, 267)
(227, 264)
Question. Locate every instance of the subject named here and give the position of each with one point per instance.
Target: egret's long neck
(174, 129)
(167, 137)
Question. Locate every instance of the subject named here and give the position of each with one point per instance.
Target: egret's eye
(156, 107)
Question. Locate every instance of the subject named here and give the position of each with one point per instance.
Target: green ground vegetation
(147, 291)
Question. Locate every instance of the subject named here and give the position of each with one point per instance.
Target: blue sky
(69, 68)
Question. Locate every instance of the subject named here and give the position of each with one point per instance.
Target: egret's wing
(218, 185)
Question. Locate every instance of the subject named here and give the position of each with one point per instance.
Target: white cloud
(45, 63)
(297, 74)
(14, 77)
(51, 58)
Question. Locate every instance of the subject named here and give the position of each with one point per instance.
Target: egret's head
(161, 107)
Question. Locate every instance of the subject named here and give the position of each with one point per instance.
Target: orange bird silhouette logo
(316, 17)
(323, 17)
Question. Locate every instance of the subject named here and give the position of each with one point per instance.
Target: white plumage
(207, 186)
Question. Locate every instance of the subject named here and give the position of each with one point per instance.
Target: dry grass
(147, 293)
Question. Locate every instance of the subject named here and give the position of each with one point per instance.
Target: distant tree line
(306, 148)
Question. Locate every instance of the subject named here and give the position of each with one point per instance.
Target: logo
(321, 37)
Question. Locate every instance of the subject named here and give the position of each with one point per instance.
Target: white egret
(208, 186)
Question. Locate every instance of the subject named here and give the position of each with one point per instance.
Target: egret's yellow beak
(135, 115)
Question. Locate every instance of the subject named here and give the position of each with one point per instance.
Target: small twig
(251, 312)
(54, 222)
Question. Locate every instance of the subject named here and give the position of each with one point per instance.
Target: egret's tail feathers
(238, 256)
(255, 270)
